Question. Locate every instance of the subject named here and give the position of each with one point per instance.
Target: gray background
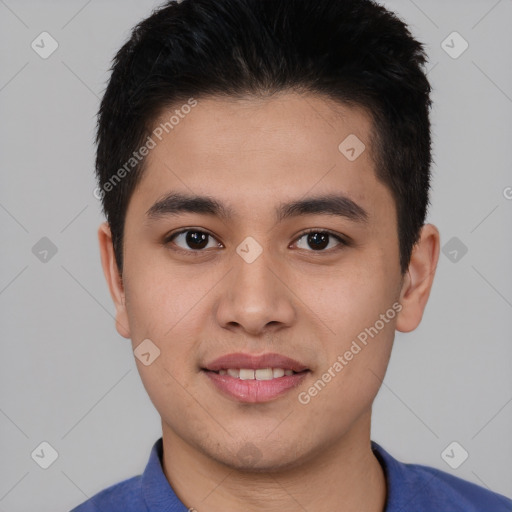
(69, 379)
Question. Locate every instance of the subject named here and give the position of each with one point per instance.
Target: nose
(256, 298)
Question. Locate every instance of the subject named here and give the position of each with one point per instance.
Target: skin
(252, 155)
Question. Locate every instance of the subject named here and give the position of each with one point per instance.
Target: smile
(259, 374)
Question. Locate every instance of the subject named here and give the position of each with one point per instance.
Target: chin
(259, 458)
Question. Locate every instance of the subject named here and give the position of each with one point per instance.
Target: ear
(113, 277)
(418, 280)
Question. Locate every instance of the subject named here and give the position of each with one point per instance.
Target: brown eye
(192, 240)
(320, 240)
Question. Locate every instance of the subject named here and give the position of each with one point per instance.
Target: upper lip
(254, 362)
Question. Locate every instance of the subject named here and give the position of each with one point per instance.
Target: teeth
(278, 372)
(259, 374)
(264, 374)
(246, 374)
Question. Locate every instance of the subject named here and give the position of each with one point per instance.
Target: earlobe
(113, 277)
(419, 278)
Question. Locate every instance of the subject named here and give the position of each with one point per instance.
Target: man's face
(209, 292)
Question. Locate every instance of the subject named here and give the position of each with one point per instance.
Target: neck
(343, 476)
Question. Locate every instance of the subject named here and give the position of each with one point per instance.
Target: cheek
(168, 320)
(352, 297)
(357, 307)
(162, 307)
(347, 383)
(160, 300)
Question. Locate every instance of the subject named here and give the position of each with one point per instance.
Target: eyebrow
(330, 204)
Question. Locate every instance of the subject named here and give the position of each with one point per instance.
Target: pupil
(196, 238)
(318, 240)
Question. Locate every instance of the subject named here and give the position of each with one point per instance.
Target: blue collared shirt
(411, 487)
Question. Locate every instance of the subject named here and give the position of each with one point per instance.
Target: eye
(320, 240)
(195, 240)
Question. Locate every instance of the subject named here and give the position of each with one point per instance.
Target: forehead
(253, 149)
(290, 124)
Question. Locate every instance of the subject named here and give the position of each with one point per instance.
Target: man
(264, 167)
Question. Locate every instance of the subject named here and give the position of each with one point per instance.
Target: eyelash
(197, 252)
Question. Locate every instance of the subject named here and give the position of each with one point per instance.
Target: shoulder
(124, 496)
(427, 489)
(443, 491)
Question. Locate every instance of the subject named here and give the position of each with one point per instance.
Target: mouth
(255, 379)
(256, 374)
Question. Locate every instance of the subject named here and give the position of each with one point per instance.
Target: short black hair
(353, 51)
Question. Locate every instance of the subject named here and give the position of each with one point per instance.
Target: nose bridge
(253, 275)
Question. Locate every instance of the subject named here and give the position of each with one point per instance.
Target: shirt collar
(156, 490)
(405, 490)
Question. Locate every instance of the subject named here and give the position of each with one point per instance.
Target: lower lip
(252, 390)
